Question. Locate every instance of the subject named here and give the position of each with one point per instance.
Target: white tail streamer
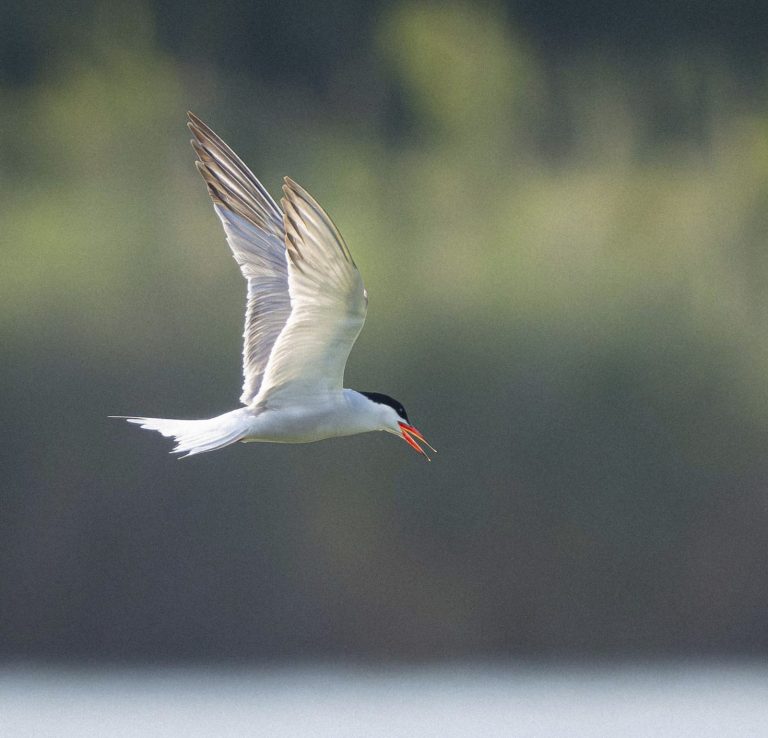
(198, 436)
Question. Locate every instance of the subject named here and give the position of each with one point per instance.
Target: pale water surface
(449, 701)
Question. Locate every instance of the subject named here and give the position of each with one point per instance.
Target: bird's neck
(367, 411)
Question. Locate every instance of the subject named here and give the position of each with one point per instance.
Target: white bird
(306, 307)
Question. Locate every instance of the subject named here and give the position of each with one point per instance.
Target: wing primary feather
(228, 196)
(233, 176)
(229, 176)
(289, 186)
(209, 140)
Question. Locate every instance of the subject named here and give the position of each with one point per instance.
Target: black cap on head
(387, 400)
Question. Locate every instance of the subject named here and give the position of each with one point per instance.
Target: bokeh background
(561, 214)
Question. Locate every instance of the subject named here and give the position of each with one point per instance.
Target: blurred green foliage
(567, 266)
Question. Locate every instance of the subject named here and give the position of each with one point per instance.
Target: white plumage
(306, 306)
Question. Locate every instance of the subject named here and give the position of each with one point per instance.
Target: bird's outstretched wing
(328, 303)
(253, 223)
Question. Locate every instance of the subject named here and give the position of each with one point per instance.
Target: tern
(306, 307)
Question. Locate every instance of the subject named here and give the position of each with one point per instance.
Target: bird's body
(330, 415)
(306, 307)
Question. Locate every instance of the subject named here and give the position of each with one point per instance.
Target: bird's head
(394, 419)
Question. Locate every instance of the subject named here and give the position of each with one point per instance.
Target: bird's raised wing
(328, 304)
(254, 226)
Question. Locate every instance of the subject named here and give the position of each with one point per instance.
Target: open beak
(409, 433)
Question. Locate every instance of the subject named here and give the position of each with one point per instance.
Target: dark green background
(559, 210)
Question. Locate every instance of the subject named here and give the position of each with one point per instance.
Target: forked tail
(198, 436)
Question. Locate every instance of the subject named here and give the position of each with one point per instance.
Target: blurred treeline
(562, 221)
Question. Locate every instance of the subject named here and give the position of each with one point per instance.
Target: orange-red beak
(409, 433)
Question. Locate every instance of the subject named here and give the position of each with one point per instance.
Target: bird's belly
(297, 426)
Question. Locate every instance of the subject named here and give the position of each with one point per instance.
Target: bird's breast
(303, 424)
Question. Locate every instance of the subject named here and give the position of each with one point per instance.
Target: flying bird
(306, 306)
